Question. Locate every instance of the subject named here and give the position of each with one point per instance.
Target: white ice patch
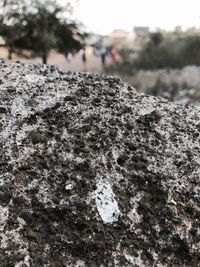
(33, 78)
(46, 101)
(105, 200)
(80, 263)
(146, 110)
(24, 262)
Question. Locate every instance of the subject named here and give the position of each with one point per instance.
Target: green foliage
(11, 22)
(38, 26)
(156, 38)
(163, 50)
(169, 52)
(69, 35)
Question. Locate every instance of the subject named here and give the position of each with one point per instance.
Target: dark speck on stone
(3, 110)
(36, 138)
(122, 159)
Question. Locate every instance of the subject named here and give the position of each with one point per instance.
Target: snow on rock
(32, 78)
(94, 174)
(105, 200)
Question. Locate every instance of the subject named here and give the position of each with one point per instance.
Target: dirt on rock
(94, 174)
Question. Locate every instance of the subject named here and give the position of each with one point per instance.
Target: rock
(94, 174)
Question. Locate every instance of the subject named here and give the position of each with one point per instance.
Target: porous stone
(94, 174)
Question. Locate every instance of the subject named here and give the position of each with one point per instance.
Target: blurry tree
(156, 38)
(170, 51)
(192, 51)
(68, 36)
(162, 50)
(10, 23)
(40, 25)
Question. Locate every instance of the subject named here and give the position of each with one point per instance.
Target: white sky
(102, 16)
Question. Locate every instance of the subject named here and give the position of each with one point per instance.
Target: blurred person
(97, 52)
(103, 56)
(84, 58)
(68, 56)
(114, 54)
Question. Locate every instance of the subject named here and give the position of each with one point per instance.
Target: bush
(165, 51)
(168, 52)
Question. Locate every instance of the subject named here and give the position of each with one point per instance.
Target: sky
(103, 16)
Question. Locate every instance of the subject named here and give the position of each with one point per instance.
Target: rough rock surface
(94, 174)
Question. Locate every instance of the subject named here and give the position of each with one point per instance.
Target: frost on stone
(4, 213)
(19, 108)
(24, 263)
(80, 263)
(33, 78)
(106, 203)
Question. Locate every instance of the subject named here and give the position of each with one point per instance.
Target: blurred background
(153, 45)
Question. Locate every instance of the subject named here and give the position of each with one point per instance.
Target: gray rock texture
(94, 174)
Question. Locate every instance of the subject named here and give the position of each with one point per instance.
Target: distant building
(116, 38)
(141, 32)
(119, 37)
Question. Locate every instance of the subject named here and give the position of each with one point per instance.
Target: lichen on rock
(94, 174)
